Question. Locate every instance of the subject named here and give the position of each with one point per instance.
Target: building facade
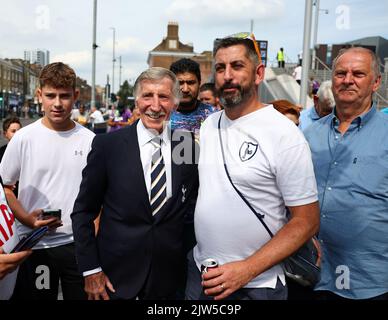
(38, 56)
(172, 49)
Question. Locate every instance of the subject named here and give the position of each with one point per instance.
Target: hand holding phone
(49, 213)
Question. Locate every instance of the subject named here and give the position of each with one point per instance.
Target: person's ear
(259, 73)
(376, 83)
(39, 95)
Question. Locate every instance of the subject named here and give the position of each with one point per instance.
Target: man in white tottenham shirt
(270, 163)
(47, 158)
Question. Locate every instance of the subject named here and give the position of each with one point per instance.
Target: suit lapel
(136, 167)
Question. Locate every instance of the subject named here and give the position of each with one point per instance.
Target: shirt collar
(145, 135)
(360, 121)
(313, 114)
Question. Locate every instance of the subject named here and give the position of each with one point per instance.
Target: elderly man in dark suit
(145, 179)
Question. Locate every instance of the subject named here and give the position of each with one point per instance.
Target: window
(172, 44)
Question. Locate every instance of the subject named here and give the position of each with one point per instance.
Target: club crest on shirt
(247, 150)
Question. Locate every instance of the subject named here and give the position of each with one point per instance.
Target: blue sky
(64, 27)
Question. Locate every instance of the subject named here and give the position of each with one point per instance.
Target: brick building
(171, 50)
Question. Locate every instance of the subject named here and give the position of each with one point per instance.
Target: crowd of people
(176, 180)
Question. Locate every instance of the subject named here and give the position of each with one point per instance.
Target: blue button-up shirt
(352, 178)
(307, 118)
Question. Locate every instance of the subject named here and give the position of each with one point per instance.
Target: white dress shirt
(144, 137)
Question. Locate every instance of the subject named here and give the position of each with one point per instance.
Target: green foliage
(126, 90)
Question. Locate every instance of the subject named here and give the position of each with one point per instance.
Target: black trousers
(38, 277)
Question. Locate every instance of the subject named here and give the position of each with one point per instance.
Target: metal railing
(381, 102)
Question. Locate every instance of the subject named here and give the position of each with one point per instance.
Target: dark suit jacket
(133, 248)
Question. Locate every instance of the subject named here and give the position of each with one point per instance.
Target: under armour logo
(247, 151)
(76, 153)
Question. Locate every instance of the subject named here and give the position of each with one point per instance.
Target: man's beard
(188, 105)
(234, 99)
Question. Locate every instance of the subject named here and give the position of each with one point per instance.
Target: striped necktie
(158, 178)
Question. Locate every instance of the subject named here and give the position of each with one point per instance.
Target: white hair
(325, 93)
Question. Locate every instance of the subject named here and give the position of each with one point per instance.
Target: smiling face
(57, 104)
(354, 80)
(156, 101)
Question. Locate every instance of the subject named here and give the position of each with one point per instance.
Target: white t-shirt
(97, 117)
(297, 74)
(269, 161)
(8, 240)
(48, 165)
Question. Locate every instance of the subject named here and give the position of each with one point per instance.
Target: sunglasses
(250, 36)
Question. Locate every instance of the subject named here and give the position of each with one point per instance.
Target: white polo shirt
(269, 161)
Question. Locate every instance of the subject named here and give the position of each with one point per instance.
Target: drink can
(208, 264)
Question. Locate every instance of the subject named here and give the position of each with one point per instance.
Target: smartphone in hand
(31, 239)
(49, 213)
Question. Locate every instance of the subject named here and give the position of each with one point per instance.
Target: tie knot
(156, 142)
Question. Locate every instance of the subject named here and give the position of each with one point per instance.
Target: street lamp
(317, 9)
(94, 46)
(113, 60)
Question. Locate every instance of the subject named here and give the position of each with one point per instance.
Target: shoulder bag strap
(258, 215)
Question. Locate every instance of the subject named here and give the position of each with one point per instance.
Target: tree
(126, 90)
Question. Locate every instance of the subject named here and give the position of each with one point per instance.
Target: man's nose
(228, 73)
(155, 103)
(57, 101)
(184, 87)
(349, 77)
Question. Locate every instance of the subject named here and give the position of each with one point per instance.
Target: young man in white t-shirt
(270, 164)
(47, 158)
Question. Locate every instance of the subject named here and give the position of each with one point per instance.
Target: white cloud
(76, 59)
(127, 45)
(224, 11)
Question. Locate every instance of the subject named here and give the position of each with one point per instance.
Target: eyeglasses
(250, 36)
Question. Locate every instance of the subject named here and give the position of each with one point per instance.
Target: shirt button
(336, 137)
(329, 188)
(335, 163)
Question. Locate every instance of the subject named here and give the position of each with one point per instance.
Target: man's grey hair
(375, 59)
(325, 93)
(156, 74)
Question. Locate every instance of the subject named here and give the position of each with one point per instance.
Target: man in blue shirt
(323, 105)
(350, 155)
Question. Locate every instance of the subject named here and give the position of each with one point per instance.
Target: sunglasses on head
(250, 36)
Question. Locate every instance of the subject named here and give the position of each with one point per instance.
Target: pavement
(24, 122)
